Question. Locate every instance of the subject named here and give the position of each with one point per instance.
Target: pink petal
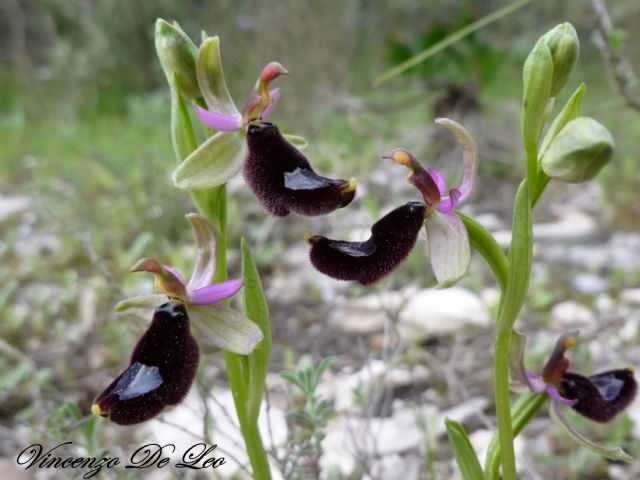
(449, 203)
(553, 393)
(174, 272)
(439, 179)
(218, 121)
(275, 96)
(215, 293)
(469, 156)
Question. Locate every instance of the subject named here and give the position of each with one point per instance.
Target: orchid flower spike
(600, 397)
(220, 157)
(394, 236)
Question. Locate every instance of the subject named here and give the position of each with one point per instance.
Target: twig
(618, 66)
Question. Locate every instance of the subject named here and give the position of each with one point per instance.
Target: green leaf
(296, 140)
(213, 163)
(484, 243)
(463, 451)
(522, 411)
(256, 308)
(570, 111)
(183, 137)
(211, 78)
(520, 255)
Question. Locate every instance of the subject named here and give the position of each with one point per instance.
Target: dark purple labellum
(600, 397)
(161, 371)
(283, 180)
(392, 238)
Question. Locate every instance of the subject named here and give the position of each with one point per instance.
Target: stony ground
(407, 356)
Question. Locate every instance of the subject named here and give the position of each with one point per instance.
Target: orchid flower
(164, 361)
(394, 236)
(599, 397)
(220, 157)
(221, 325)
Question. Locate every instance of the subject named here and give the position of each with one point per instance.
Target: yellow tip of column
(95, 409)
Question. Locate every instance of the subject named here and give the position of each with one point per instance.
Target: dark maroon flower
(392, 238)
(160, 373)
(283, 180)
(599, 397)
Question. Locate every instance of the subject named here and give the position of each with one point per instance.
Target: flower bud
(564, 46)
(537, 74)
(177, 54)
(579, 151)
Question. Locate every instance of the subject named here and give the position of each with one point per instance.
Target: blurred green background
(86, 158)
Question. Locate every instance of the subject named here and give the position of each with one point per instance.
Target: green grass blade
(463, 451)
(450, 40)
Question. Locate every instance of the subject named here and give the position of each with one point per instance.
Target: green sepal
(213, 163)
(211, 78)
(463, 450)
(225, 328)
(613, 453)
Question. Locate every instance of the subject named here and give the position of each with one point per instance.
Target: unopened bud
(537, 74)
(177, 54)
(579, 151)
(564, 46)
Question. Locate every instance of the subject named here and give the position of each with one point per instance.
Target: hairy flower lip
(161, 370)
(283, 179)
(392, 239)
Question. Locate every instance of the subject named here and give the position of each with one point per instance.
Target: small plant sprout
(394, 236)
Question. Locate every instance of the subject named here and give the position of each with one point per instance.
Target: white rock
(590, 284)
(437, 312)
(572, 226)
(183, 426)
(10, 206)
(572, 314)
(368, 314)
(397, 434)
(630, 296)
(395, 467)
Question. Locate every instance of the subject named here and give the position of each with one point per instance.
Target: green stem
(523, 410)
(236, 364)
